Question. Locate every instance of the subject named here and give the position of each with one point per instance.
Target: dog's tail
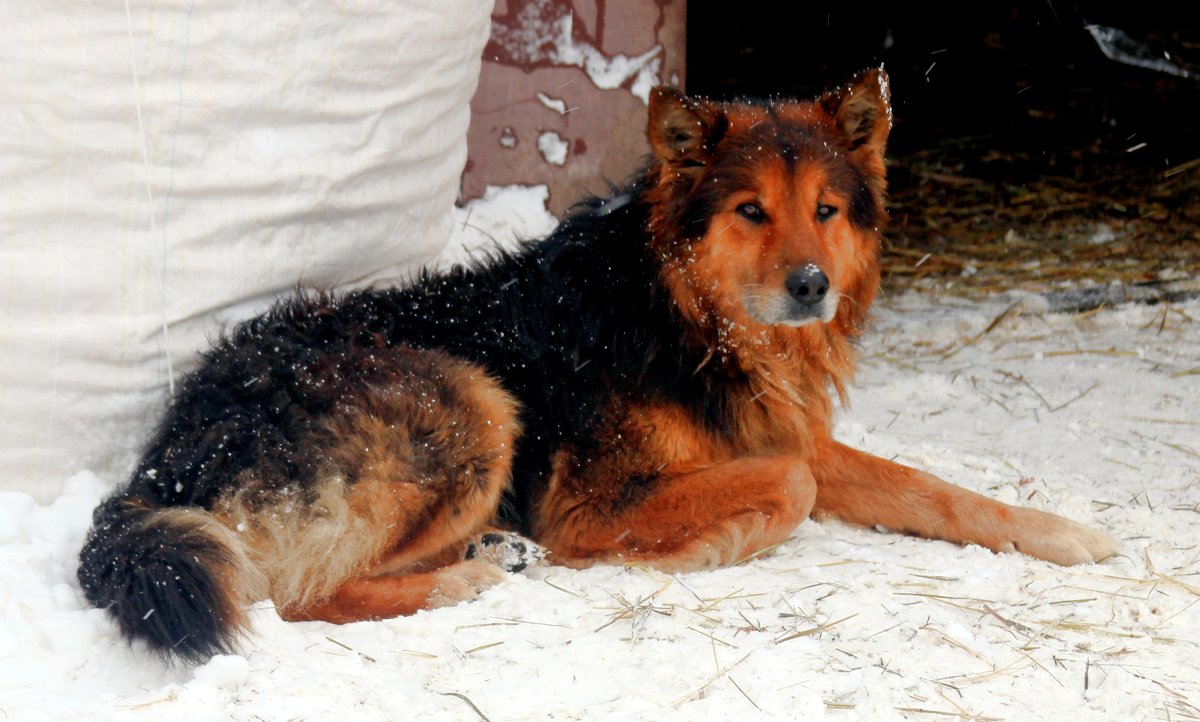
(176, 577)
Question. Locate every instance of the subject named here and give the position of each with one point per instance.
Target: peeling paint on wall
(562, 96)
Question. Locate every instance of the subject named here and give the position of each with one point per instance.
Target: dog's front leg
(683, 519)
(863, 489)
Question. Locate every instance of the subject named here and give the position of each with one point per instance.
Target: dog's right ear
(683, 131)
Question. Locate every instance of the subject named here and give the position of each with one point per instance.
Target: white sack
(283, 144)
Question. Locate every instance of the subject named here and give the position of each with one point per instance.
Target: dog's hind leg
(381, 597)
(489, 556)
(414, 466)
(685, 519)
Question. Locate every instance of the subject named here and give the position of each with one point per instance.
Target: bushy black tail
(168, 576)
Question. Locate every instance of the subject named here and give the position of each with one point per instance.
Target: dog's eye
(751, 212)
(826, 211)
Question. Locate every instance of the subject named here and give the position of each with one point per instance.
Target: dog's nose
(808, 284)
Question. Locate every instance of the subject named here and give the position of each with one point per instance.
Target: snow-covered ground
(1092, 416)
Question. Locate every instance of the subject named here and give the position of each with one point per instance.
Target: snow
(503, 215)
(1091, 416)
(553, 147)
(558, 105)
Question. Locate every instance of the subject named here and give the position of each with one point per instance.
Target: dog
(651, 383)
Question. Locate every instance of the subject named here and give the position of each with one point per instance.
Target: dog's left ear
(862, 111)
(683, 131)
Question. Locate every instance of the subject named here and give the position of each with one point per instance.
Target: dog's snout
(808, 284)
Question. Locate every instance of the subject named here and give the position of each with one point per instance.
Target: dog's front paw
(463, 582)
(511, 552)
(1055, 539)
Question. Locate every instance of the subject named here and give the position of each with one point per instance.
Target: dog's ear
(862, 111)
(683, 131)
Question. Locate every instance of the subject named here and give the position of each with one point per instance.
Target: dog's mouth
(784, 309)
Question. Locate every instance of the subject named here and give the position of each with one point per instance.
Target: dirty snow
(1092, 416)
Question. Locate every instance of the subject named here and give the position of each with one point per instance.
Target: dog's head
(769, 213)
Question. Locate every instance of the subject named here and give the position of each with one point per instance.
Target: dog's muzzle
(808, 298)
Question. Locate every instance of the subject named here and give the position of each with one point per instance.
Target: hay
(966, 223)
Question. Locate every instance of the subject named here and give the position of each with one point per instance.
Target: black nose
(808, 284)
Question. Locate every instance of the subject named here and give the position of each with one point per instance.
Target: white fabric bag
(169, 167)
